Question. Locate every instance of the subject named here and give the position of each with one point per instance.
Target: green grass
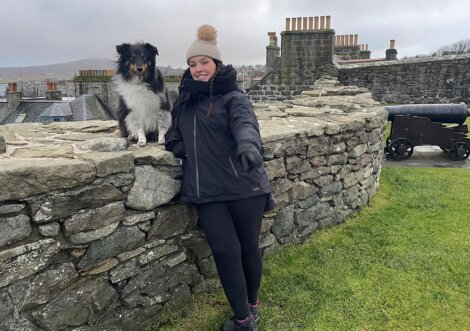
(401, 264)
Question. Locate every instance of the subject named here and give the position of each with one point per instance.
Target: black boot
(255, 312)
(248, 324)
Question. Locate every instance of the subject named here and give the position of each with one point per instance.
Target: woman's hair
(219, 66)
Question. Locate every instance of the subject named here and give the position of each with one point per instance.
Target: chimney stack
(52, 93)
(391, 53)
(13, 96)
(272, 51)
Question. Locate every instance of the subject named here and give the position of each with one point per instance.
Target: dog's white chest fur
(145, 113)
(143, 103)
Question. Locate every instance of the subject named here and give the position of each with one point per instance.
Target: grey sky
(37, 32)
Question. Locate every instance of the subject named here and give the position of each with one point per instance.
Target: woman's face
(202, 68)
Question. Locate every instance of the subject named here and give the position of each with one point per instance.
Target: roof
(88, 107)
(28, 111)
(57, 110)
(85, 108)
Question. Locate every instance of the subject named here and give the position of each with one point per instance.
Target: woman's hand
(251, 159)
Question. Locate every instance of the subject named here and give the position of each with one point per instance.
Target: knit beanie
(205, 44)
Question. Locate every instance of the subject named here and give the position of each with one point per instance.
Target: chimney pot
(12, 87)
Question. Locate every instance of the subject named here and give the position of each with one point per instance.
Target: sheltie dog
(144, 103)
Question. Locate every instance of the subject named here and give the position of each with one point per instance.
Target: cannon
(428, 124)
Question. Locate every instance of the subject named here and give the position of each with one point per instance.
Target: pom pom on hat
(207, 33)
(205, 44)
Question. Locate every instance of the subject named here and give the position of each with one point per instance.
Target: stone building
(309, 49)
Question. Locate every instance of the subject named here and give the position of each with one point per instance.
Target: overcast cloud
(38, 32)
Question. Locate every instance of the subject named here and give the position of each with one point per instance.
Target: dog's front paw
(161, 141)
(141, 143)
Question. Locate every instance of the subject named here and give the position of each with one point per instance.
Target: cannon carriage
(428, 124)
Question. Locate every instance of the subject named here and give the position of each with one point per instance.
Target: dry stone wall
(443, 79)
(92, 236)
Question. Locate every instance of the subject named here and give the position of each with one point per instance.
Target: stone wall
(418, 80)
(92, 236)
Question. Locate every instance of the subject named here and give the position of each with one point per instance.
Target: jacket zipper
(195, 157)
(233, 166)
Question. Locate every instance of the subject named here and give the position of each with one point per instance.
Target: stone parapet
(93, 236)
(442, 79)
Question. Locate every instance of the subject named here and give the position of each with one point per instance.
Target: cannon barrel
(445, 113)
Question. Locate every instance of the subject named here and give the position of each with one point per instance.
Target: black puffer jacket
(212, 143)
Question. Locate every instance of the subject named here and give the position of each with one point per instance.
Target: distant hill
(65, 71)
(54, 71)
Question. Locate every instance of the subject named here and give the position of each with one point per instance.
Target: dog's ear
(123, 48)
(152, 49)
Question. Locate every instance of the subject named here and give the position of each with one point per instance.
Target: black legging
(232, 229)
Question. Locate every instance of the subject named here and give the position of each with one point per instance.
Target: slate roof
(3, 110)
(57, 110)
(88, 107)
(29, 110)
(85, 108)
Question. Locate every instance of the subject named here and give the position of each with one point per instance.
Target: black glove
(174, 143)
(178, 150)
(251, 159)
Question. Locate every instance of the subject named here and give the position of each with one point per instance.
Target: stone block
(29, 177)
(156, 253)
(123, 239)
(302, 190)
(99, 268)
(59, 205)
(93, 219)
(281, 185)
(310, 215)
(207, 267)
(135, 218)
(9, 208)
(49, 151)
(124, 271)
(172, 220)
(82, 303)
(104, 144)
(330, 189)
(284, 222)
(92, 235)
(14, 228)
(43, 287)
(152, 188)
(175, 259)
(275, 168)
(34, 258)
(267, 240)
(49, 229)
(111, 162)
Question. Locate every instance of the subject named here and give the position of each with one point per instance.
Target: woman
(216, 133)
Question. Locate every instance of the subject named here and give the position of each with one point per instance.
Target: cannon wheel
(400, 149)
(459, 151)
